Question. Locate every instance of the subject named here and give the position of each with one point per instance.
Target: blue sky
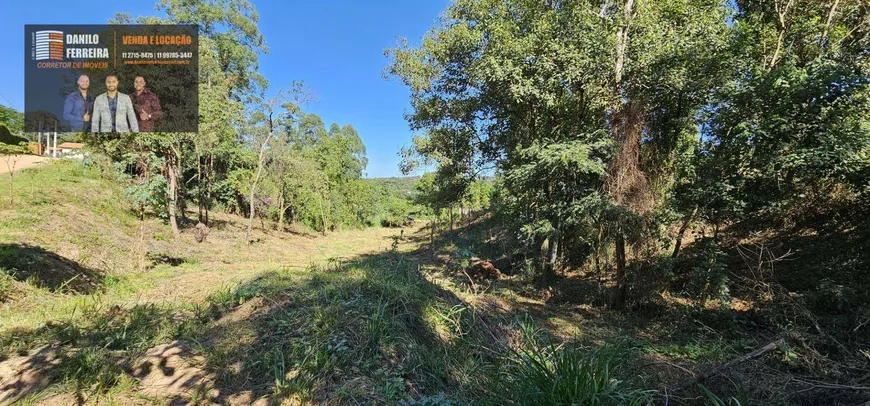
(335, 46)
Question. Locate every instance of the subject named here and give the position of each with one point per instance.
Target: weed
(717, 401)
(709, 277)
(6, 280)
(539, 373)
(89, 370)
(439, 399)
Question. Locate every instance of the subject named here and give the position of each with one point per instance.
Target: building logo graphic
(48, 45)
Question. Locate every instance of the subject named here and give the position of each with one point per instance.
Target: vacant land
(101, 307)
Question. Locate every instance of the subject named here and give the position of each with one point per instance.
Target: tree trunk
(251, 206)
(683, 228)
(199, 198)
(292, 209)
(173, 194)
(322, 214)
(142, 250)
(280, 216)
(598, 249)
(626, 137)
(208, 186)
(553, 251)
(552, 255)
(11, 190)
(432, 235)
(622, 42)
(782, 14)
(823, 42)
(261, 161)
(543, 249)
(621, 286)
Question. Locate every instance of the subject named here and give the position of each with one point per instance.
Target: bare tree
(12, 154)
(274, 113)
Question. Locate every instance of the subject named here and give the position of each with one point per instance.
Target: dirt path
(23, 162)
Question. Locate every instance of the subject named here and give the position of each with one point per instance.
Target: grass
(91, 233)
(356, 317)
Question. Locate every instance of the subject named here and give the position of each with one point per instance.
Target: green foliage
(544, 374)
(144, 194)
(256, 157)
(529, 88)
(314, 176)
(91, 370)
(6, 281)
(13, 149)
(717, 401)
(11, 126)
(608, 125)
(709, 275)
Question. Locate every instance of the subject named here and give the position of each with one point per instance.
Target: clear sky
(335, 46)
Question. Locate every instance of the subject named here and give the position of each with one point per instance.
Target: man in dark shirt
(146, 104)
(78, 106)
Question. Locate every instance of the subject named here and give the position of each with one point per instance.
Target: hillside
(73, 256)
(399, 187)
(93, 300)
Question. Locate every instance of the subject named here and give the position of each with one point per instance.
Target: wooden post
(54, 151)
(39, 139)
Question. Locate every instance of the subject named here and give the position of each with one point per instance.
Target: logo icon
(48, 45)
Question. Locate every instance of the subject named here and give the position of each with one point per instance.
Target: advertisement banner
(111, 78)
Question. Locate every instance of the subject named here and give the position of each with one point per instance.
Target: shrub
(539, 374)
(709, 278)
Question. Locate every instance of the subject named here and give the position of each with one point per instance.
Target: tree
(11, 155)
(792, 120)
(229, 45)
(510, 83)
(12, 120)
(267, 121)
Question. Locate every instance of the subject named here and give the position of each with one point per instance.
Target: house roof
(71, 145)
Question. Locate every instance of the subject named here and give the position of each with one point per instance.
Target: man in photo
(146, 104)
(78, 106)
(113, 110)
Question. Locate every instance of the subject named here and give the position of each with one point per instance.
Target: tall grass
(540, 373)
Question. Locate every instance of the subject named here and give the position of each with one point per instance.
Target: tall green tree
(11, 119)
(229, 46)
(603, 84)
(791, 123)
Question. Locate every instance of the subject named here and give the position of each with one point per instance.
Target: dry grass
(81, 218)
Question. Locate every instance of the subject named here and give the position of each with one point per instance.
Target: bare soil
(21, 162)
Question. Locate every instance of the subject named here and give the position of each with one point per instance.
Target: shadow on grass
(49, 270)
(372, 329)
(701, 339)
(89, 353)
(32, 380)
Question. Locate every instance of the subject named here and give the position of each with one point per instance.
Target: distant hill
(398, 186)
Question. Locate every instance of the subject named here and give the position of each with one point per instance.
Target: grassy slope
(71, 240)
(356, 317)
(343, 319)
